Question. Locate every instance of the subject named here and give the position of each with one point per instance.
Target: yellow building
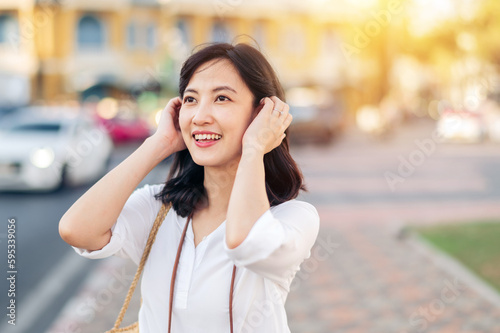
(55, 50)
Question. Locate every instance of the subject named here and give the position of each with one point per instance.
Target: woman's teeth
(199, 137)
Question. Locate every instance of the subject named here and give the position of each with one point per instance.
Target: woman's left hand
(267, 129)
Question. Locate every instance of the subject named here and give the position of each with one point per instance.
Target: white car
(43, 148)
(460, 126)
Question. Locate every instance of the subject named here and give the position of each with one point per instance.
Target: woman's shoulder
(144, 198)
(297, 208)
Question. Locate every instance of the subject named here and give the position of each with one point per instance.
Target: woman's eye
(222, 98)
(188, 99)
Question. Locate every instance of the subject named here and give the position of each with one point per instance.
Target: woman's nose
(203, 115)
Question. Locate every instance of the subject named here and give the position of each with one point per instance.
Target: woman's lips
(206, 139)
(205, 143)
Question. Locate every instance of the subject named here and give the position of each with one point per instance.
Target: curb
(452, 266)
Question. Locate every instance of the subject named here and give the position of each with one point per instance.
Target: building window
(90, 33)
(131, 36)
(141, 36)
(220, 33)
(151, 37)
(9, 29)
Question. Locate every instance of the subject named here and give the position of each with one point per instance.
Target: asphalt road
(48, 270)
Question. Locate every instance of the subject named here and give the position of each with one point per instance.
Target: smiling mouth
(207, 137)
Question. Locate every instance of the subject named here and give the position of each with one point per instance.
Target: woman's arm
(87, 224)
(248, 199)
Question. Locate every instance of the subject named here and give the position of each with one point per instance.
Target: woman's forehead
(217, 72)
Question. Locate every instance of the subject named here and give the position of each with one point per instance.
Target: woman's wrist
(251, 153)
(158, 149)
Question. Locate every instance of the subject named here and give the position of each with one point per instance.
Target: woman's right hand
(168, 133)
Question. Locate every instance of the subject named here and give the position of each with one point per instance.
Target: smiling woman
(236, 236)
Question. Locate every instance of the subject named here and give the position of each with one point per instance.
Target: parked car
(125, 129)
(460, 126)
(490, 110)
(43, 148)
(317, 116)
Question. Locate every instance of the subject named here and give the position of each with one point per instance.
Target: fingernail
(262, 101)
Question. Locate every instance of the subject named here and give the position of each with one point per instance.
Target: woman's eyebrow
(190, 90)
(224, 88)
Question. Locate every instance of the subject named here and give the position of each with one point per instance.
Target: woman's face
(216, 110)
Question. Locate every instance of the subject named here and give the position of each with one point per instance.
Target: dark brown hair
(184, 187)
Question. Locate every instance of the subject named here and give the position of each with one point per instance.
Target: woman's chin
(212, 162)
(206, 161)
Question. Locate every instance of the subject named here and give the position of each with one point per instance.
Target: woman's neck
(218, 183)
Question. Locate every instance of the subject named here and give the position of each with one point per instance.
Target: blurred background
(372, 63)
(396, 127)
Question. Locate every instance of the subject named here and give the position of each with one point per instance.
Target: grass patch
(476, 245)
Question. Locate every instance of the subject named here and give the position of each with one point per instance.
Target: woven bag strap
(152, 235)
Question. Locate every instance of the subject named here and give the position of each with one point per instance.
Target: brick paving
(362, 275)
(375, 281)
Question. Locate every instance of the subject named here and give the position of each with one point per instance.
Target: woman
(232, 184)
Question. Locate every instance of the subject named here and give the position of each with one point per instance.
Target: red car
(126, 129)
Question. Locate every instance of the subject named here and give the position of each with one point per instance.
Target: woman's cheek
(183, 121)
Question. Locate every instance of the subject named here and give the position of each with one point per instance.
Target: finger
(287, 121)
(279, 106)
(175, 101)
(284, 125)
(282, 114)
(278, 103)
(285, 111)
(268, 105)
(174, 105)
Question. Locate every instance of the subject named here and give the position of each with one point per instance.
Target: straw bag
(134, 328)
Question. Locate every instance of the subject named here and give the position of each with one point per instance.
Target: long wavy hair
(184, 186)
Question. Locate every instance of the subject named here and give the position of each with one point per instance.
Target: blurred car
(460, 126)
(494, 129)
(43, 148)
(490, 109)
(316, 116)
(124, 129)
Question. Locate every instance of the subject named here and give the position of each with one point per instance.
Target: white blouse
(267, 261)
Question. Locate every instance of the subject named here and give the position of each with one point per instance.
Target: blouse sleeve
(130, 232)
(279, 241)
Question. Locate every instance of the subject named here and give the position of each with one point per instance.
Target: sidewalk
(363, 274)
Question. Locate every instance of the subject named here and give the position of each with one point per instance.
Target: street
(48, 269)
(361, 277)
